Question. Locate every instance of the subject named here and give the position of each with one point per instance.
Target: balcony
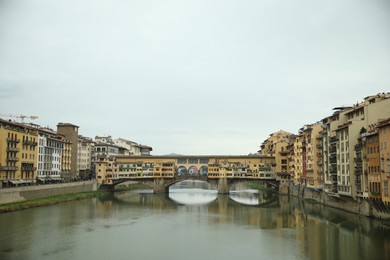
(12, 140)
(13, 149)
(28, 168)
(9, 168)
(333, 140)
(30, 143)
(12, 159)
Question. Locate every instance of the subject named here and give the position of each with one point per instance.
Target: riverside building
(342, 131)
(70, 132)
(18, 154)
(50, 156)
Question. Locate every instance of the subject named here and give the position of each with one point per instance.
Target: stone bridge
(161, 185)
(161, 172)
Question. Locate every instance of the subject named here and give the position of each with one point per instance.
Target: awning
(27, 181)
(56, 178)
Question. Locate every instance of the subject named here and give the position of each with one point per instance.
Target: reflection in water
(246, 197)
(196, 225)
(193, 196)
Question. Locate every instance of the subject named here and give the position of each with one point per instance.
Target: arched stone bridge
(160, 172)
(161, 185)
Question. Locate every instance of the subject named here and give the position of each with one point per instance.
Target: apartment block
(384, 154)
(276, 146)
(50, 155)
(131, 147)
(296, 159)
(312, 155)
(342, 133)
(66, 160)
(84, 157)
(373, 164)
(18, 154)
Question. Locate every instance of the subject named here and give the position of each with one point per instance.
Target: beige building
(70, 132)
(84, 157)
(276, 145)
(66, 160)
(312, 155)
(384, 150)
(342, 132)
(296, 158)
(18, 154)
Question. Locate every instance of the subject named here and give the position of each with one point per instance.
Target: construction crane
(21, 117)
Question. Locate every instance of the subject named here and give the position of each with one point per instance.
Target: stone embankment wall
(10, 195)
(362, 207)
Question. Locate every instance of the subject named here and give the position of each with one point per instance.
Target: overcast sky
(190, 77)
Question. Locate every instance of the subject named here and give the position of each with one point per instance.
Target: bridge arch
(204, 170)
(193, 170)
(182, 170)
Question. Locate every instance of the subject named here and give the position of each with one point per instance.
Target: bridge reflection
(193, 196)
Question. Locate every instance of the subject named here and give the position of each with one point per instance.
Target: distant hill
(173, 154)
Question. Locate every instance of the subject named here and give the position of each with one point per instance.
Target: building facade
(384, 151)
(50, 155)
(312, 156)
(84, 157)
(342, 136)
(18, 154)
(70, 132)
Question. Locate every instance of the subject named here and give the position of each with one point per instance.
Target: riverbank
(46, 201)
(363, 207)
(52, 194)
(19, 194)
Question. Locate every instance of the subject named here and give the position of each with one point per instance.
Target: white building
(50, 148)
(132, 147)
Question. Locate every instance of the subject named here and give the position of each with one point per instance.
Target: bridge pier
(223, 186)
(159, 186)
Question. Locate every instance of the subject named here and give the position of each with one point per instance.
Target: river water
(190, 224)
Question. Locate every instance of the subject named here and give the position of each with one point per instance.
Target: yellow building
(18, 153)
(66, 160)
(312, 155)
(297, 159)
(373, 165)
(276, 145)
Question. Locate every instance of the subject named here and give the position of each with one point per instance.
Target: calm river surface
(190, 224)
